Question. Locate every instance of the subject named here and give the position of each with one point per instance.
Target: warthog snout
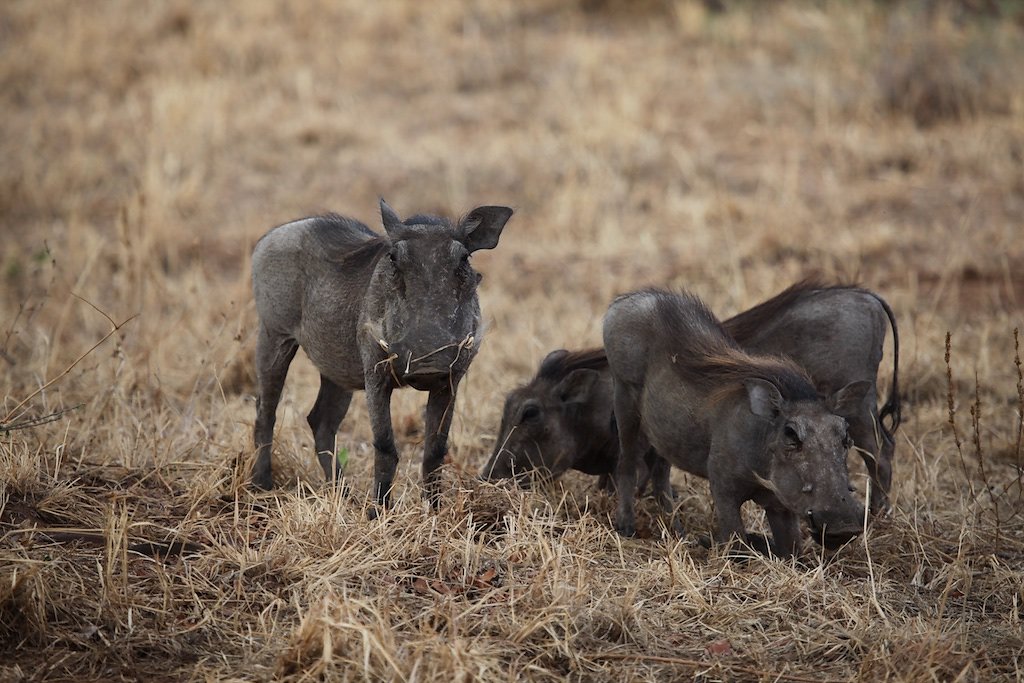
(430, 357)
(504, 464)
(832, 528)
(426, 369)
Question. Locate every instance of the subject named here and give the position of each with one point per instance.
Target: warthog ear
(848, 401)
(392, 223)
(765, 399)
(552, 361)
(576, 386)
(482, 226)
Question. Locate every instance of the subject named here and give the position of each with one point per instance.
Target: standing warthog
(754, 426)
(374, 313)
(562, 418)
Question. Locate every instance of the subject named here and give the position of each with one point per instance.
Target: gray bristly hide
(562, 418)
(373, 312)
(836, 333)
(754, 426)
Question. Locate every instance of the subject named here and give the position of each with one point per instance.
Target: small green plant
(342, 458)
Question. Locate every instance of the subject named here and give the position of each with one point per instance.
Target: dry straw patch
(149, 145)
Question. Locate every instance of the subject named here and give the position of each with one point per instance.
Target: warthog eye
(530, 413)
(793, 442)
(847, 441)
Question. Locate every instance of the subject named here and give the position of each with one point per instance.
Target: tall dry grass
(148, 145)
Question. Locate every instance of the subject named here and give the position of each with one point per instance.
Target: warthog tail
(892, 408)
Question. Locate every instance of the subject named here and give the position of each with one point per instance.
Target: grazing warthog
(374, 313)
(837, 334)
(562, 418)
(754, 426)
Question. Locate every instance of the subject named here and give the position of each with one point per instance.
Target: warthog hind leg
(274, 354)
(329, 410)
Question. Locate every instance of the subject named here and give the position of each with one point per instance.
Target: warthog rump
(371, 312)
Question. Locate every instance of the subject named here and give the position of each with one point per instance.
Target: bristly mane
(744, 326)
(344, 239)
(704, 353)
(556, 367)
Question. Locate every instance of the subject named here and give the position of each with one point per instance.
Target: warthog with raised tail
(753, 425)
(562, 418)
(372, 312)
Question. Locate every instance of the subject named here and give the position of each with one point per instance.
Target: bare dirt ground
(147, 145)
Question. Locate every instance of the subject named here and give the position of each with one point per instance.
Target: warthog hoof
(262, 481)
(626, 530)
(880, 507)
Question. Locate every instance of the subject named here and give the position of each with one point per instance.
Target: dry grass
(147, 145)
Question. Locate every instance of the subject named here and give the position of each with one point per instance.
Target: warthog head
(806, 447)
(425, 308)
(540, 426)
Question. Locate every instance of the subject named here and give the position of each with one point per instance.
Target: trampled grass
(148, 145)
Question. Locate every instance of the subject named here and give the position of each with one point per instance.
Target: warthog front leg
(785, 528)
(329, 410)
(273, 356)
(876, 446)
(378, 401)
(437, 420)
(727, 512)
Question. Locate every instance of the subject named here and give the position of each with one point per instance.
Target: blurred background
(725, 147)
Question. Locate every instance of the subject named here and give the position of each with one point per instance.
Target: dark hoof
(675, 528)
(881, 509)
(262, 482)
(627, 531)
(432, 495)
(705, 541)
(761, 544)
